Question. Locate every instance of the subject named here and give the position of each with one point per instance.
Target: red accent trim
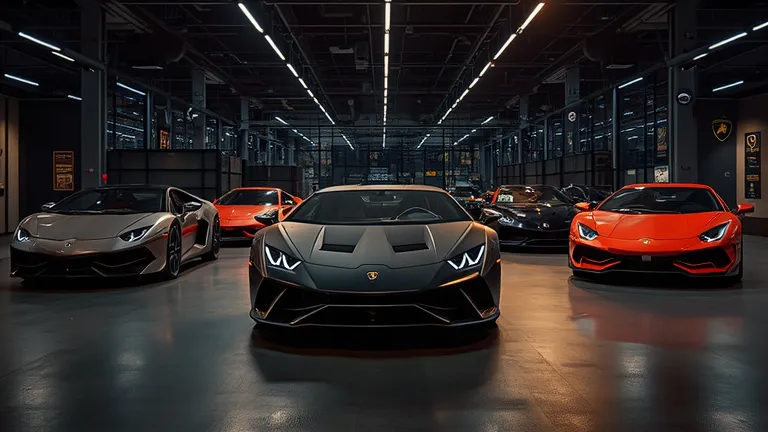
(189, 230)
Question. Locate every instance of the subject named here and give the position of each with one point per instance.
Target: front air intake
(409, 247)
(338, 248)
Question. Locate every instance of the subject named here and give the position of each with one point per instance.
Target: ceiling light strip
(39, 42)
(629, 83)
(387, 25)
(295, 131)
(119, 84)
(274, 47)
(250, 17)
(74, 97)
(727, 86)
(490, 64)
(58, 54)
(19, 79)
(729, 40)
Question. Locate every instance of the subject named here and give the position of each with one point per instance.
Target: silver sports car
(375, 256)
(116, 231)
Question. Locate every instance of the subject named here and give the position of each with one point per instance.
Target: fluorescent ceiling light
(728, 86)
(314, 99)
(250, 17)
(274, 47)
(38, 41)
(386, 91)
(386, 62)
(631, 82)
(25, 81)
(503, 47)
(281, 120)
(312, 95)
(293, 71)
(485, 69)
(131, 89)
(329, 117)
(303, 84)
(700, 56)
(487, 120)
(474, 82)
(761, 26)
(386, 43)
(62, 56)
(74, 97)
(730, 39)
(531, 16)
(387, 15)
(348, 143)
(466, 92)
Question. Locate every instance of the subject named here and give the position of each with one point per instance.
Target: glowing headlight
(586, 232)
(714, 234)
(135, 235)
(21, 235)
(468, 259)
(510, 222)
(276, 258)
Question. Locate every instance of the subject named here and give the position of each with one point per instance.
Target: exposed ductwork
(362, 55)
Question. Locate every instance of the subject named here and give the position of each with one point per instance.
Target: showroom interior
(302, 95)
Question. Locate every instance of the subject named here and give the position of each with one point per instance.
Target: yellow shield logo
(373, 275)
(722, 129)
(646, 241)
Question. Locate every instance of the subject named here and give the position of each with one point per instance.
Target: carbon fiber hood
(394, 246)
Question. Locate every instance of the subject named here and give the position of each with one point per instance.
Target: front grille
(287, 304)
(700, 259)
(114, 264)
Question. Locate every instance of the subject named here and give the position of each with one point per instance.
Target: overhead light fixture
(700, 56)
(303, 84)
(531, 17)
(19, 79)
(727, 86)
(485, 69)
(487, 120)
(38, 41)
(631, 82)
(474, 82)
(729, 40)
(504, 47)
(348, 143)
(119, 84)
(62, 56)
(281, 120)
(250, 17)
(274, 47)
(74, 97)
(329, 117)
(387, 26)
(760, 27)
(312, 95)
(293, 71)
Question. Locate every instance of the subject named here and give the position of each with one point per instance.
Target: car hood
(227, 212)
(57, 226)
(396, 246)
(557, 216)
(655, 226)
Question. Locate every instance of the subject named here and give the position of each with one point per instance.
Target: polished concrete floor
(567, 356)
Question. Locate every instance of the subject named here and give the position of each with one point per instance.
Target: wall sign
(722, 129)
(572, 116)
(63, 171)
(165, 139)
(752, 165)
(684, 98)
(430, 174)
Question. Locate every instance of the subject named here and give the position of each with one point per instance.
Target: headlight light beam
(467, 260)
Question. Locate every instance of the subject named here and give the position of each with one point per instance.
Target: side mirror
(744, 209)
(192, 206)
(267, 218)
(489, 216)
(47, 206)
(585, 206)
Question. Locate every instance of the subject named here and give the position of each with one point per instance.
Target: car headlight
(714, 234)
(267, 214)
(586, 232)
(508, 221)
(279, 259)
(468, 259)
(21, 235)
(135, 235)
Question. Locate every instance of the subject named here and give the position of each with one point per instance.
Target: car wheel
(215, 240)
(173, 253)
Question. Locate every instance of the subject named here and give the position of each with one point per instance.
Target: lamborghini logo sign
(646, 241)
(722, 129)
(373, 275)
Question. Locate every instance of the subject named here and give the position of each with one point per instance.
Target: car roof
(133, 186)
(255, 188)
(347, 188)
(669, 185)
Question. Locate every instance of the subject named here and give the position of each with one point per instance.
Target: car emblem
(372, 275)
(545, 225)
(67, 244)
(646, 241)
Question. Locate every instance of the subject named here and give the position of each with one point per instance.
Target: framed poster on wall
(63, 171)
(752, 165)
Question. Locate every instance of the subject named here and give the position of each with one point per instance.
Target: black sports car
(375, 256)
(470, 197)
(529, 216)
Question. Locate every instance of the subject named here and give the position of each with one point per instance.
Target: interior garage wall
(9, 164)
(44, 127)
(717, 159)
(753, 117)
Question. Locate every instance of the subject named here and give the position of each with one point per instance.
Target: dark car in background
(470, 197)
(536, 215)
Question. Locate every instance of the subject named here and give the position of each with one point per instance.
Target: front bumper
(236, 233)
(512, 236)
(285, 304)
(717, 261)
(125, 263)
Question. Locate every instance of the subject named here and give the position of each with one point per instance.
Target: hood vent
(338, 248)
(409, 247)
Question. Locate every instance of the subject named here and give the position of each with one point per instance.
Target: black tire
(173, 252)
(213, 254)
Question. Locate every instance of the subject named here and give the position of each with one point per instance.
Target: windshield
(466, 192)
(531, 195)
(122, 200)
(249, 197)
(643, 200)
(378, 207)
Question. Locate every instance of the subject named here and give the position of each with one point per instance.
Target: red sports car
(245, 210)
(659, 228)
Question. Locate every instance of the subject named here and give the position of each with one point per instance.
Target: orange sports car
(658, 228)
(242, 211)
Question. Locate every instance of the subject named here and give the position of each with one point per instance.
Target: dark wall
(43, 128)
(717, 159)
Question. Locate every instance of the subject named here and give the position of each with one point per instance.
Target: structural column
(684, 143)
(244, 124)
(93, 93)
(198, 98)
